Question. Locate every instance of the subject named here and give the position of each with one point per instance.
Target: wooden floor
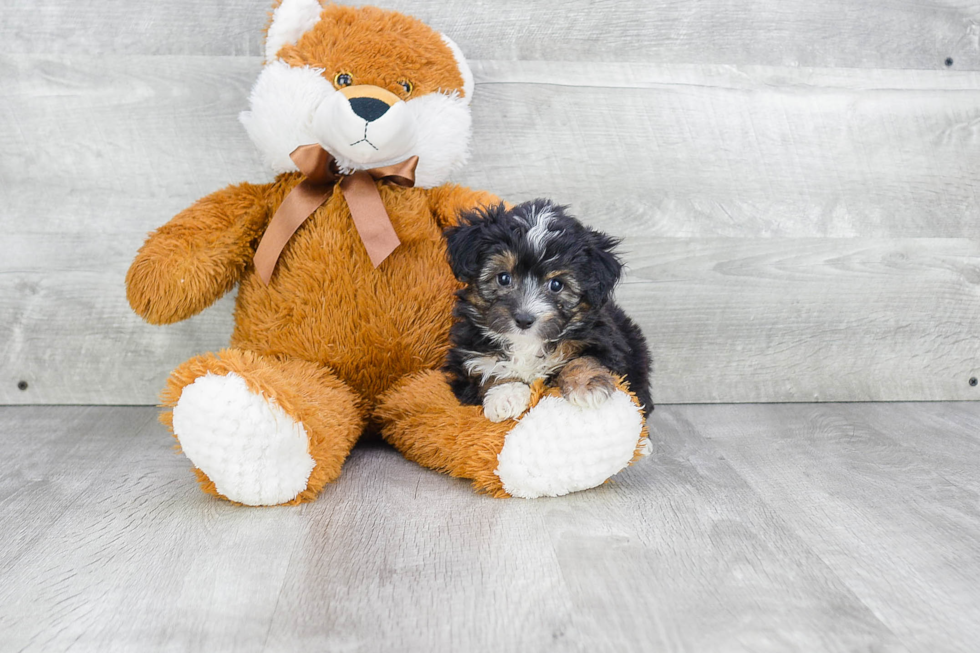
(831, 527)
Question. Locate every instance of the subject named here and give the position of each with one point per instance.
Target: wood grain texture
(839, 33)
(102, 145)
(750, 528)
(809, 319)
(122, 144)
(793, 234)
(885, 495)
(744, 152)
(727, 320)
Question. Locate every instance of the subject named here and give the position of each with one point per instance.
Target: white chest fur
(525, 359)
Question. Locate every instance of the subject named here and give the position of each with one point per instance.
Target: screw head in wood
(22, 385)
(973, 381)
(949, 61)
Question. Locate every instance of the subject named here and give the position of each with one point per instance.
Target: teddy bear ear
(290, 20)
(464, 68)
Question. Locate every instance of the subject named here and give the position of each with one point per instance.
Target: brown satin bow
(368, 212)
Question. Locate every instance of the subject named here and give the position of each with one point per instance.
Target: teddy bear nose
(368, 108)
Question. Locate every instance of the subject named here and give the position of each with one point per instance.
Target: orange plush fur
(427, 424)
(330, 334)
(339, 346)
(390, 49)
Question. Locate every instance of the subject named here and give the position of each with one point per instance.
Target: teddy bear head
(371, 87)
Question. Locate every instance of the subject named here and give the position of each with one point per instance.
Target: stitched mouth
(365, 139)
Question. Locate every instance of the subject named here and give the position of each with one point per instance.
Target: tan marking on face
(502, 262)
(579, 312)
(474, 298)
(368, 91)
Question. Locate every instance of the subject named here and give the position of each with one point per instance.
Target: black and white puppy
(537, 306)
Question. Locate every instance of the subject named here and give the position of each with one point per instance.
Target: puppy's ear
(468, 242)
(605, 267)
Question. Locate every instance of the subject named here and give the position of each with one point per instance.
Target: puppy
(537, 306)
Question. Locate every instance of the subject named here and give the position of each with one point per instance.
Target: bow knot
(320, 174)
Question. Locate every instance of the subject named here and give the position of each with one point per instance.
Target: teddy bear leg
(259, 430)
(554, 449)
(423, 420)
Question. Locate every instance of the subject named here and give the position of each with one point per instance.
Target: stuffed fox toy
(345, 294)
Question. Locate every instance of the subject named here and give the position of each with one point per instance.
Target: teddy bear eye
(407, 85)
(503, 279)
(343, 79)
(556, 285)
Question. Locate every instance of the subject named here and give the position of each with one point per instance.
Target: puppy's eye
(407, 86)
(555, 285)
(343, 79)
(503, 279)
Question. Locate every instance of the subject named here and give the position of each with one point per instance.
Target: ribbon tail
(300, 203)
(369, 215)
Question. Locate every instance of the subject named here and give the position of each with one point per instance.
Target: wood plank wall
(795, 182)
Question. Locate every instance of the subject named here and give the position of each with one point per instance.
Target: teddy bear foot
(247, 445)
(559, 447)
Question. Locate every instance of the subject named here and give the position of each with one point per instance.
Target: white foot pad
(559, 448)
(253, 451)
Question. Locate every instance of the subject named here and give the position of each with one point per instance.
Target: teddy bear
(345, 293)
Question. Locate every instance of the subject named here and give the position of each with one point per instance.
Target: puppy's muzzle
(369, 102)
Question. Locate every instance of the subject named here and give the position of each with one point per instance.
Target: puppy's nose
(523, 320)
(368, 108)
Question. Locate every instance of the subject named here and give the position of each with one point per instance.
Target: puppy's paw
(586, 383)
(506, 401)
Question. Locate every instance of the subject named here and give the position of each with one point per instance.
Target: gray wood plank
(744, 152)
(116, 537)
(616, 569)
(886, 495)
(43, 453)
(859, 187)
(677, 554)
(944, 435)
(122, 144)
(741, 320)
(843, 33)
(727, 320)
(102, 145)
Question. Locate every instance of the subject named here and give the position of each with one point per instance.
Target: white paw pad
(506, 401)
(253, 451)
(559, 448)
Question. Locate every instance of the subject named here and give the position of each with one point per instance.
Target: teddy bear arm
(449, 200)
(190, 262)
